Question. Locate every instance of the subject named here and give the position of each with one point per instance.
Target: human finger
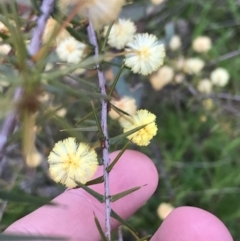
(190, 223)
(74, 216)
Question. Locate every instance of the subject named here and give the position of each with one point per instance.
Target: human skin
(73, 217)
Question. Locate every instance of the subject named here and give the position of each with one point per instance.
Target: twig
(120, 233)
(9, 124)
(224, 57)
(191, 89)
(35, 44)
(93, 41)
(36, 41)
(224, 96)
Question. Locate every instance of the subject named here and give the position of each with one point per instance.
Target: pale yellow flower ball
(4, 49)
(127, 104)
(51, 26)
(3, 83)
(49, 66)
(219, 77)
(205, 86)
(71, 50)
(157, 2)
(193, 65)
(70, 161)
(179, 78)
(44, 97)
(122, 32)
(145, 54)
(61, 112)
(164, 209)
(202, 44)
(143, 136)
(99, 12)
(208, 104)
(175, 43)
(179, 63)
(33, 158)
(203, 118)
(162, 77)
(3, 29)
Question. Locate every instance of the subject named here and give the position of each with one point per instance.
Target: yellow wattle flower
(144, 135)
(70, 161)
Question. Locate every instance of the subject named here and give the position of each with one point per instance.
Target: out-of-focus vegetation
(197, 147)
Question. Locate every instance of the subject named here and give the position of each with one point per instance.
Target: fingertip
(190, 223)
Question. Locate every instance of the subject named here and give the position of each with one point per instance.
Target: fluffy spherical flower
(179, 78)
(3, 29)
(3, 83)
(69, 161)
(162, 77)
(71, 50)
(144, 135)
(99, 12)
(51, 25)
(202, 44)
(164, 209)
(220, 77)
(205, 86)
(126, 104)
(4, 49)
(121, 33)
(157, 2)
(144, 55)
(193, 65)
(208, 104)
(179, 63)
(175, 42)
(34, 158)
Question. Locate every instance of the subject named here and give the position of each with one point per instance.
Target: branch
(36, 41)
(11, 120)
(9, 124)
(93, 41)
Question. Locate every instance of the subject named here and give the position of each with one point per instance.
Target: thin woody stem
(104, 111)
(11, 120)
(36, 41)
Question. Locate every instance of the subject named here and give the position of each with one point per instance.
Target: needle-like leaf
(24, 198)
(91, 85)
(98, 196)
(122, 221)
(95, 181)
(97, 121)
(99, 228)
(18, 237)
(88, 115)
(90, 128)
(116, 80)
(119, 111)
(110, 167)
(121, 136)
(123, 194)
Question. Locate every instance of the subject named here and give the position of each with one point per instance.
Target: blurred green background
(196, 150)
